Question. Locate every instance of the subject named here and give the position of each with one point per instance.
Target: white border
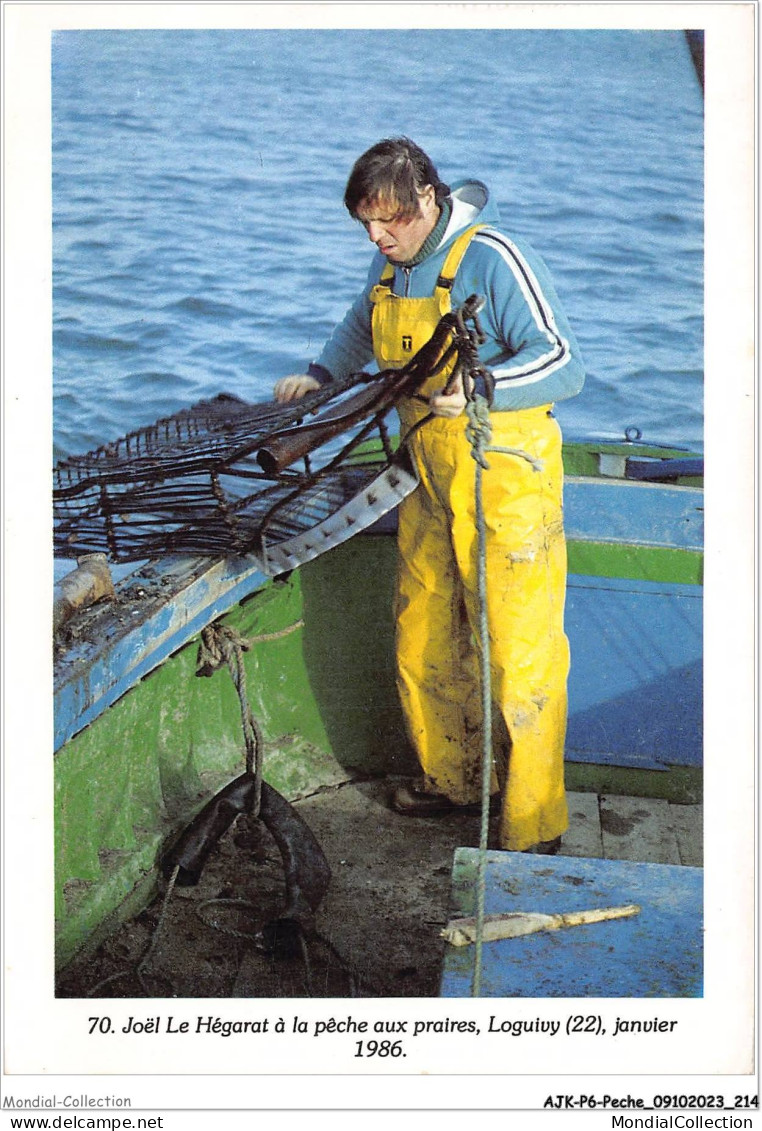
(43, 1046)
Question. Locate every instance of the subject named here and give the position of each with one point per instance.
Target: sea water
(200, 244)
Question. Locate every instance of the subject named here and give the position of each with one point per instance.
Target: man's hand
(293, 387)
(450, 404)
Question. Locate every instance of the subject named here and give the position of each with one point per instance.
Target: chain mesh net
(197, 482)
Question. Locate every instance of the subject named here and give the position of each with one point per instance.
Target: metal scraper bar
(373, 501)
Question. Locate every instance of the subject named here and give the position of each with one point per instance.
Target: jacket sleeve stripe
(541, 311)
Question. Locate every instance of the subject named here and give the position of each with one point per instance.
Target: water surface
(200, 244)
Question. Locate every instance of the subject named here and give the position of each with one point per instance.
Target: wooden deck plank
(638, 828)
(688, 823)
(583, 837)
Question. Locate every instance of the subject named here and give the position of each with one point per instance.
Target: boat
(143, 741)
(147, 736)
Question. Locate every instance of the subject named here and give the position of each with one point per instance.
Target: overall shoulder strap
(449, 268)
(455, 256)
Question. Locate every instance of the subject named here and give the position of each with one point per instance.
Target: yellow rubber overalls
(436, 601)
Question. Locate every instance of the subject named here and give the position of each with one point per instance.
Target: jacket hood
(471, 204)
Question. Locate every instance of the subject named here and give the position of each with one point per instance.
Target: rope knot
(219, 645)
(479, 435)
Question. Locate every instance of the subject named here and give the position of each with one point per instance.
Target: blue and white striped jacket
(530, 346)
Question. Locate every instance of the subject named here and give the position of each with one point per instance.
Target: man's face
(399, 237)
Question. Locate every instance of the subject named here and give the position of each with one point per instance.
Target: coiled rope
(479, 434)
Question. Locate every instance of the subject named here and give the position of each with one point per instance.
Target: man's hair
(394, 170)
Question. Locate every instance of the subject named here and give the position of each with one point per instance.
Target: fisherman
(436, 246)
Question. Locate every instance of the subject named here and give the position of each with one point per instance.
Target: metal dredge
(218, 478)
